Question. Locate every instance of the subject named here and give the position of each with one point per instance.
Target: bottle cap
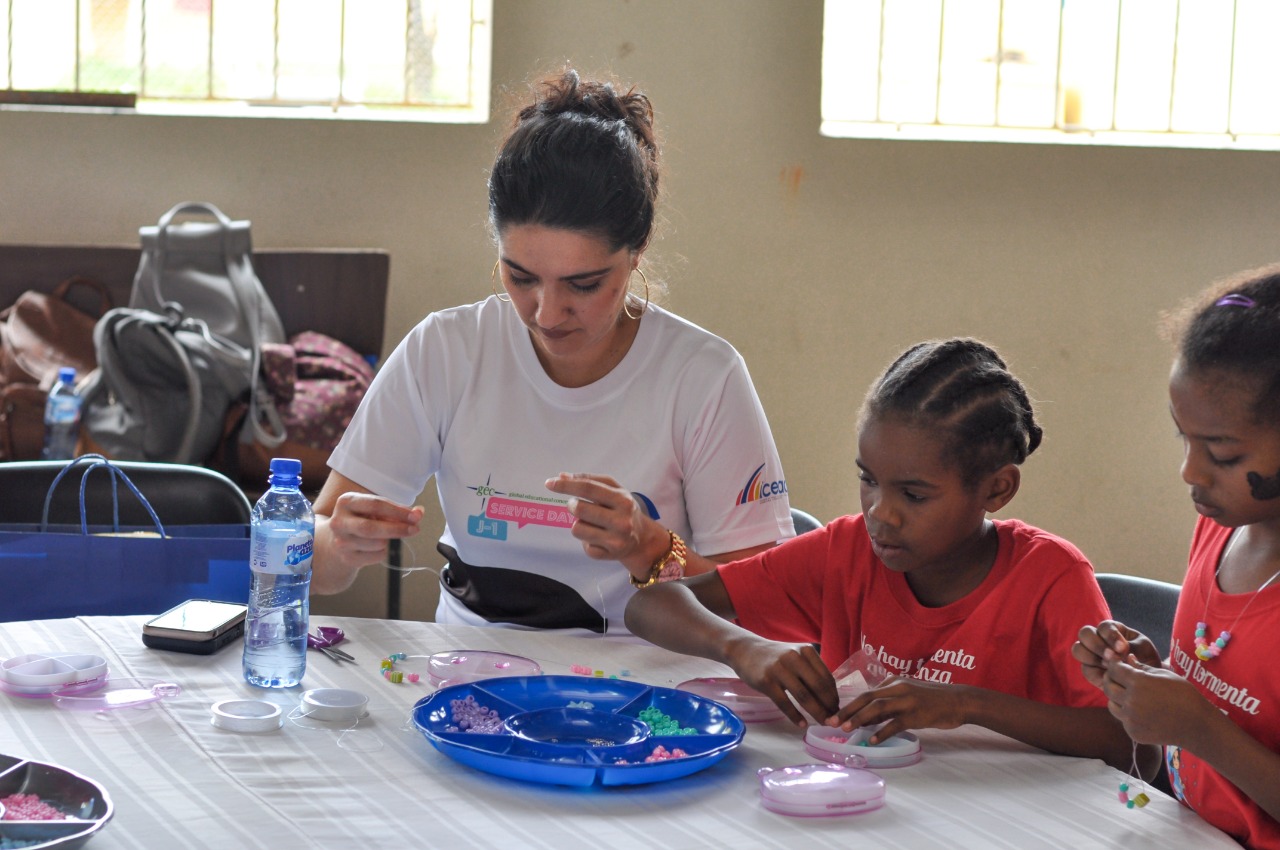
(286, 466)
(285, 470)
(67, 374)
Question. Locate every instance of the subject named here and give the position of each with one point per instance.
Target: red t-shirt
(1013, 633)
(1241, 681)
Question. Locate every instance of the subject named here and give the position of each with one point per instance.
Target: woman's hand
(1109, 641)
(362, 524)
(902, 704)
(777, 669)
(353, 528)
(610, 522)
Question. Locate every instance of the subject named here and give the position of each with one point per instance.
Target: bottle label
(281, 553)
(62, 409)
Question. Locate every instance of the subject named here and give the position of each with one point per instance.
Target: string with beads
(1206, 650)
(394, 676)
(1140, 799)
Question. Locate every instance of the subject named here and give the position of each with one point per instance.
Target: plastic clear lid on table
(117, 693)
(459, 666)
(820, 790)
(750, 705)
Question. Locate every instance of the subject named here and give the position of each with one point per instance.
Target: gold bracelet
(661, 570)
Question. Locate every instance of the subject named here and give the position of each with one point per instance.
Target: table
(178, 781)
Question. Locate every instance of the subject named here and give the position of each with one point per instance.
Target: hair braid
(963, 389)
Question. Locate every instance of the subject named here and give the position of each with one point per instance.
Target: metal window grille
(392, 59)
(1156, 72)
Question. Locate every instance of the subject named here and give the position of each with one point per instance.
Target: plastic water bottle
(282, 531)
(62, 417)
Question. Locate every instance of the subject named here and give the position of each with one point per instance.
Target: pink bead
(412, 677)
(1124, 798)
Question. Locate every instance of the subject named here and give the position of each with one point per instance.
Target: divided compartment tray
(86, 802)
(40, 674)
(577, 730)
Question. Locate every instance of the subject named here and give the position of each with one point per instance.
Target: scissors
(324, 639)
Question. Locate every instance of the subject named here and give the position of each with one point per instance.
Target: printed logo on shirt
(1193, 669)
(758, 489)
(499, 508)
(645, 502)
(930, 669)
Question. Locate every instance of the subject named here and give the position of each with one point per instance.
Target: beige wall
(818, 258)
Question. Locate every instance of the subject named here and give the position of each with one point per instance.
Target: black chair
(804, 521)
(1144, 604)
(180, 494)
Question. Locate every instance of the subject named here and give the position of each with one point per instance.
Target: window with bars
(382, 59)
(1126, 72)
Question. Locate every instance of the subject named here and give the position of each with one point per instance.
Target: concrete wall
(820, 259)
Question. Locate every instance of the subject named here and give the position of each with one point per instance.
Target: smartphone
(202, 626)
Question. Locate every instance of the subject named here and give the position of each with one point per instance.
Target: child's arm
(1159, 706)
(906, 703)
(694, 616)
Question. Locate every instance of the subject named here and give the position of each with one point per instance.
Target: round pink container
(820, 790)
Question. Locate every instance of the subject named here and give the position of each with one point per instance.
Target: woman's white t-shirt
(464, 398)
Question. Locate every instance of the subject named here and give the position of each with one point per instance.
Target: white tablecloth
(177, 781)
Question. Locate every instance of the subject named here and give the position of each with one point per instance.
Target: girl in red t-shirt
(1215, 702)
(971, 615)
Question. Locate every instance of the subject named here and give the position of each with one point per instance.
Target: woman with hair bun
(570, 422)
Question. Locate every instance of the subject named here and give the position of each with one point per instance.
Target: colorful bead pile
(393, 675)
(584, 670)
(1206, 651)
(1138, 801)
(471, 716)
(661, 753)
(661, 724)
(29, 807)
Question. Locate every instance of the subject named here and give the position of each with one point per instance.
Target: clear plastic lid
(820, 790)
(459, 666)
(750, 705)
(117, 693)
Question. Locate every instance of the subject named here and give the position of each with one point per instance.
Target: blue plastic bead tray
(576, 730)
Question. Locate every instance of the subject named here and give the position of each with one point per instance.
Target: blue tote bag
(49, 570)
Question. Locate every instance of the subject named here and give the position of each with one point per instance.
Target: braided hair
(581, 156)
(963, 390)
(1233, 329)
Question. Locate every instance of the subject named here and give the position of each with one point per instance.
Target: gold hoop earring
(645, 281)
(493, 282)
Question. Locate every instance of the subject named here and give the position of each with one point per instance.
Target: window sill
(1103, 138)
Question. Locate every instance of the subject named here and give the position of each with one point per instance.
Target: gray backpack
(171, 365)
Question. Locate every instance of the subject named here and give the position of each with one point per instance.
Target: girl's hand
(1109, 641)
(1156, 706)
(902, 704)
(778, 669)
(610, 522)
